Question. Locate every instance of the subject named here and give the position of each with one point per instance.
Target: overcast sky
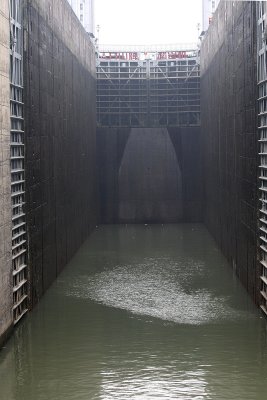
(148, 21)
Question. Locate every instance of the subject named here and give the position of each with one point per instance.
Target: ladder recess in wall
(262, 128)
(19, 247)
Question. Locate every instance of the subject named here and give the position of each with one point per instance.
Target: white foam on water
(154, 290)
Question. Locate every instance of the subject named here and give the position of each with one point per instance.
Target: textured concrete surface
(60, 92)
(149, 175)
(229, 136)
(5, 199)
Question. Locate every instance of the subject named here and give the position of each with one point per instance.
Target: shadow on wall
(150, 179)
(149, 175)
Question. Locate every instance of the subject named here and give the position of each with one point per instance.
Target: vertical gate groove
(19, 245)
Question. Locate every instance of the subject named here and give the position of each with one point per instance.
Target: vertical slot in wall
(17, 153)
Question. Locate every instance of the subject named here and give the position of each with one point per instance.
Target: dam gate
(148, 86)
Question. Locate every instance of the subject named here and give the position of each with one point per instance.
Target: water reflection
(141, 313)
(153, 383)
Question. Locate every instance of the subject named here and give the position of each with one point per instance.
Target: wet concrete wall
(6, 318)
(60, 91)
(229, 136)
(149, 175)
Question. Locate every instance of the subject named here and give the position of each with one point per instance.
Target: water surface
(141, 312)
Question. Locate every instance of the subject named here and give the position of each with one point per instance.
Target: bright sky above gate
(148, 21)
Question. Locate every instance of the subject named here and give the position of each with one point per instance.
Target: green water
(141, 312)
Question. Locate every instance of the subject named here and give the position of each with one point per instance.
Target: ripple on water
(153, 290)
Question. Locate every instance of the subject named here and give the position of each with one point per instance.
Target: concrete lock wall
(6, 318)
(229, 136)
(149, 175)
(60, 92)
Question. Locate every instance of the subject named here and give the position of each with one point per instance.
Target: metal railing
(147, 48)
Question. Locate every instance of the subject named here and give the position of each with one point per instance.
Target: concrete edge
(5, 336)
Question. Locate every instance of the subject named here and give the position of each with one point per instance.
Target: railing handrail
(103, 48)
